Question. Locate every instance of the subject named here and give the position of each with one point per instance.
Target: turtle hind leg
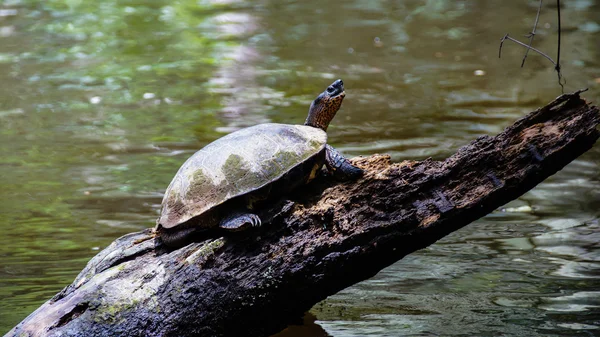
(177, 238)
(339, 166)
(240, 221)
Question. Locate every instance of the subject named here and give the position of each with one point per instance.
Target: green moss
(201, 185)
(238, 174)
(113, 313)
(234, 166)
(110, 313)
(174, 202)
(314, 144)
(287, 159)
(207, 250)
(199, 177)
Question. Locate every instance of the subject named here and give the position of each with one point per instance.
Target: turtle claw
(255, 220)
(240, 221)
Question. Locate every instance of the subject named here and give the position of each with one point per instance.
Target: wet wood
(328, 237)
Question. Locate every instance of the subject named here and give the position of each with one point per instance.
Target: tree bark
(328, 237)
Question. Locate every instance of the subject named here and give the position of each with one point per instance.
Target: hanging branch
(557, 65)
(531, 35)
(529, 47)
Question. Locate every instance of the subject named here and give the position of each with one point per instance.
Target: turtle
(223, 184)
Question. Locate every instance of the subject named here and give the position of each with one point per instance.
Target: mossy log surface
(328, 237)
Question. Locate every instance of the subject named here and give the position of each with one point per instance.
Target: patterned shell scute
(236, 164)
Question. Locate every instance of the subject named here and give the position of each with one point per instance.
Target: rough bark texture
(328, 238)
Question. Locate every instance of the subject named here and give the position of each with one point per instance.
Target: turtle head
(323, 108)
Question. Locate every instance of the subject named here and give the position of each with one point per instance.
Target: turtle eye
(330, 89)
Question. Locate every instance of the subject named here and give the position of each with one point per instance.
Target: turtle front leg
(339, 166)
(240, 221)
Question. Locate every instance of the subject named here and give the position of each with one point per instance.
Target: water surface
(102, 101)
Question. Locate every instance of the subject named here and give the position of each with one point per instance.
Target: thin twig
(561, 80)
(501, 43)
(532, 34)
(506, 37)
(557, 65)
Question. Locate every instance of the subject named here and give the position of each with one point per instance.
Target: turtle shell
(237, 164)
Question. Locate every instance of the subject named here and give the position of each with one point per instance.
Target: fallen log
(326, 238)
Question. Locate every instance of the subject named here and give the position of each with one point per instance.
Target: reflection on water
(102, 101)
